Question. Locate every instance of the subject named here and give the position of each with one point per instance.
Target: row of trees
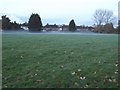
(34, 24)
(103, 19)
(8, 25)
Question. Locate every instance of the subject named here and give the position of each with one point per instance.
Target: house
(52, 27)
(65, 28)
(55, 27)
(24, 26)
(84, 28)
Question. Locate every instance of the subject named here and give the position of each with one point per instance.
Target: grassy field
(60, 61)
(0, 60)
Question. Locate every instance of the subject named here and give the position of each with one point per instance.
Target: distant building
(84, 28)
(52, 27)
(65, 28)
(24, 26)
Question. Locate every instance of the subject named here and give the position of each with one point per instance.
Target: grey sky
(119, 10)
(56, 11)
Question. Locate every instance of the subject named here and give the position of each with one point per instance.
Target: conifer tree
(34, 23)
(6, 24)
(72, 26)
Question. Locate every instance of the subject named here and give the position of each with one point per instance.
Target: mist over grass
(47, 61)
(82, 32)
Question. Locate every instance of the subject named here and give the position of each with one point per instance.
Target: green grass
(0, 60)
(40, 60)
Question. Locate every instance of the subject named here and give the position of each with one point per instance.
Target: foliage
(72, 26)
(7, 25)
(60, 61)
(15, 26)
(35, 23)
(107, 28)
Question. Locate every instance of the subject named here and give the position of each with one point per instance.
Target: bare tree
(109, 18)
(102, 16)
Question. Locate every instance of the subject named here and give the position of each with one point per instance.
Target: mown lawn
(59, 61)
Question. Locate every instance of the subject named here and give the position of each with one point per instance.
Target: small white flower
(86, 86)
(79, 70)
(36, 74)
(76, 83)
(110, 80)
(21, 56)
(116, 72)
(73, 73)
(82, 78)
(62, 66)
(94, 73)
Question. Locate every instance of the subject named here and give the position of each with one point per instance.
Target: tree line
(8, 25)
(103, 22)
(34, 24)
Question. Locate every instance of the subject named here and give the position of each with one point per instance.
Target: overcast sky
(56, 11)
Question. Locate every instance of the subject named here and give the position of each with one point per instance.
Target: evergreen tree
(34, 23)
(15, 26)
(72, 26)
(6, 25)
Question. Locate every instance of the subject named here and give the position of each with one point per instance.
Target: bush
(107, 28)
